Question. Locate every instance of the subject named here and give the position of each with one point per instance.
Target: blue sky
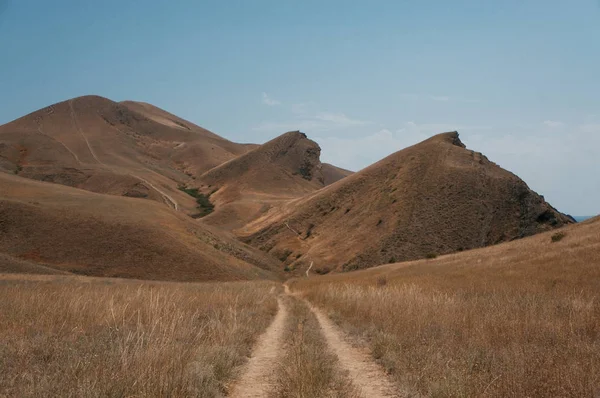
(518, 79)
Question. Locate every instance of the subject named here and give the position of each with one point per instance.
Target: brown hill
(128, 149)
(284, 168)
(333, 174)
(73, 230)
(433, 198)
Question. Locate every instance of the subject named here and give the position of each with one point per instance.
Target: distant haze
(582, 218)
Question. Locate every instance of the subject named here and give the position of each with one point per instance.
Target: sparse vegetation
(284, 255)
(74, 336)
(309, 231)
(431, 255)
(557, 237)
(515, 319)
(308, 369)
(204, 205)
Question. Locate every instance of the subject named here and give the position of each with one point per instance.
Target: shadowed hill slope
(124, 149)
(433, 198)
(101, 235)
(333, 174)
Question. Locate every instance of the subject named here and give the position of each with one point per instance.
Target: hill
(73, 230)
(333, 174)
(433, 198)
(284, 168)
(125, 149)
(518, 319)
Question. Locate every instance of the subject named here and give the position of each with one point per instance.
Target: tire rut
(366, 375)
(258, 377)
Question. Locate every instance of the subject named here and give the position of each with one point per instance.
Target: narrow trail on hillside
(61, 143)
(258, 377)
(368, 377)
(78, 127)
(166, 197)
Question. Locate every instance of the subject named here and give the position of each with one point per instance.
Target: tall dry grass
(79, 337)
(515, 320)
(309, 369)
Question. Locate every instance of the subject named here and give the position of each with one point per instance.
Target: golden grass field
(65, 336)
(520, 319)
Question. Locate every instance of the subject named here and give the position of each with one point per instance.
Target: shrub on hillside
(557, 237)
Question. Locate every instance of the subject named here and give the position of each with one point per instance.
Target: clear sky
(519, 79)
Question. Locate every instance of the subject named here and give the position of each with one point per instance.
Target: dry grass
(519, 319)
(84, 337)
(308, 369)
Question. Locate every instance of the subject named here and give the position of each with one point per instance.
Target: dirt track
(258, 376)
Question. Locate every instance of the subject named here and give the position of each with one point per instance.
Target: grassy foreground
(85, 337)
(514, 320)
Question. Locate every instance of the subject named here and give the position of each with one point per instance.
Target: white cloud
(311, 123)
(339, 119)
(438, 98)
(553, 124)
(285, 126)
(269, 101)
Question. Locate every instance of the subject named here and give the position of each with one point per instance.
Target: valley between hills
(143, 255)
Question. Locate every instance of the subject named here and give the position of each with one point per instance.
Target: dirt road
(258, 376)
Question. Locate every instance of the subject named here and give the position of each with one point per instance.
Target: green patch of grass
(204, 205)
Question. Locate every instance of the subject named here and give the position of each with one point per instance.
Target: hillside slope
(433, 198)
(333, 173)
(519, 319)
(282, 169)
(73, 230)
(125, 149)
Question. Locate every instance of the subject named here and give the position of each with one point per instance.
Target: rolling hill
(137, 150)
(45, 225)
(125, 149)
(433, 198)
(282, 169)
